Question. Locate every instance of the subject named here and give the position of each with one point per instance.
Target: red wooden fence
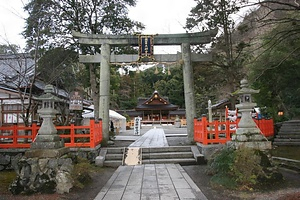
(220, 132)
(74, 136)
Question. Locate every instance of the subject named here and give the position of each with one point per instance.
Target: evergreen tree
(277, 72)
(229, 55)
(54, 21)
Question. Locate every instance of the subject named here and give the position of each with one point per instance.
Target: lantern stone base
(49, 141)
(47, 145)
(250, 140)
(261, 145)
(250, 136)
(47, 153)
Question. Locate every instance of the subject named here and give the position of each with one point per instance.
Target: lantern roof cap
(245, 88)
(49, 94)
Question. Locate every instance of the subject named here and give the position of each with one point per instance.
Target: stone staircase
(289, 134)
(112, 157)
(184, 155)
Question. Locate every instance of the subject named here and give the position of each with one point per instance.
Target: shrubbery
(243, 168)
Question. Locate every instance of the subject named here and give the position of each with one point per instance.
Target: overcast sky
(159, 16)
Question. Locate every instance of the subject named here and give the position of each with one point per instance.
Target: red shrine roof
(155, 102)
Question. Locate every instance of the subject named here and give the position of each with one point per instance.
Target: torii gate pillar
(189, 97)
(104, 89)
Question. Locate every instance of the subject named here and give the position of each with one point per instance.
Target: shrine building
(155, 110)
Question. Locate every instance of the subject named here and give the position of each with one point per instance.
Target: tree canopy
(276, 72)
(229, 55)
(57, 18)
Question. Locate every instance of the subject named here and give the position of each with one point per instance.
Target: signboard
(146, 47)
(137, 126)
(76, 101)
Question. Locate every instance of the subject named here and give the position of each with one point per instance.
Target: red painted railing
(74, 136)
(220, 132)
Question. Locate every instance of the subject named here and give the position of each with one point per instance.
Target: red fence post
(15, 135)
(228, 133)
(204, 130)
(196, 133)
(34, 130)
(92, 132)
(100, 131)
(72, 134)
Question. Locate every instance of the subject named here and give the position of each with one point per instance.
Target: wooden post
(92, 133)
(189, 98)
(104, 90)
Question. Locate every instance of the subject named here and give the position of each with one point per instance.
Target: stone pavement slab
(150, 181)
(152, 138)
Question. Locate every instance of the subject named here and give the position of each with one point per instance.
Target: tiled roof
(155, 102)
(17, 70)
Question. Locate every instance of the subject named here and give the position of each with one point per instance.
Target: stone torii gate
(185, 58)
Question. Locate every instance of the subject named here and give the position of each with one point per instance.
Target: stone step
(182, 161)
(114, 157)
(119, 150)
(287, 136)
(167, 149)
(286, 140)
(289, 130)
(295, 122)
(112, 163)
(168, 155)
(291, 143)
(172, 154)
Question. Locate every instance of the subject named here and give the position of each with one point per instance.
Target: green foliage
(221, 161)
(50, 24)
(236, 168)
(6, 178)
(246, 167)
(143, 84)
(276, 72)
(81, 173)
(53, 21)
(229, 55)
(58, 66)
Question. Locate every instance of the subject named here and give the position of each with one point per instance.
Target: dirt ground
(289, 189)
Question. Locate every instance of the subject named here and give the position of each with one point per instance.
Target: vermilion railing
(220, 132)
(74, 136)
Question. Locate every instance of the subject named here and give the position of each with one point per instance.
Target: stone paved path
(150, 181)
(152, 138)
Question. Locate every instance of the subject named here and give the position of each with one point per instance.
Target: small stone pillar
(177, 123)
(247, 133)
(44, 168)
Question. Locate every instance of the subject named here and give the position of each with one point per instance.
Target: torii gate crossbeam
(185, 40)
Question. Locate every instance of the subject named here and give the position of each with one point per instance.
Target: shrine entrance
(146, 43)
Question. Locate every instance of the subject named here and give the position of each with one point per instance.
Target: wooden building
(155, 110)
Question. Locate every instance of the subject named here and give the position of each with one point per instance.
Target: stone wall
(43, 175)
(10, 157)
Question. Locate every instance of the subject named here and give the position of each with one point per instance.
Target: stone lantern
(247, 133)
(44, 168)
(47, 143)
